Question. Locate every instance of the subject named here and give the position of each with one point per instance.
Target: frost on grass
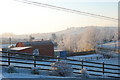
(107, 54)
(61, 68)
(35, 70)
(84, 73)
(11, 69)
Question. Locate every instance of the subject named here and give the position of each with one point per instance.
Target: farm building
(60, 53)
(45, 48)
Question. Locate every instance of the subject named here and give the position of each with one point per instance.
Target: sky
(21, 18)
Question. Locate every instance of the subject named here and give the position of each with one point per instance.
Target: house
(45, 48)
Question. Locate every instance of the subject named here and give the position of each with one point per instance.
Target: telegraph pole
(10, 40)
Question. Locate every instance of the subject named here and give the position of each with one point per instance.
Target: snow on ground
(99, 60)
(22, 75)
(1, 72)
(86, 57)
(110, 45)
(26, 74)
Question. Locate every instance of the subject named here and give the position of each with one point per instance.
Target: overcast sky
(22, 18)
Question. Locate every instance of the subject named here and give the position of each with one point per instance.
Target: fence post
(103, 67)
(58, 59)
(97, 58)
(91, 58)
(8, 58)
(34, 61)
(82, 63)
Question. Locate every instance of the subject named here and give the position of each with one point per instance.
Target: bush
(35, 70)
(11, 69)
(61, 69)
(84, 73)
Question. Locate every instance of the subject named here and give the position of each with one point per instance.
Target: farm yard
(92, 63)
(65, 39)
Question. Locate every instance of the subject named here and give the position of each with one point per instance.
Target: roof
(35, 43)
(58, 50)
(20, 48)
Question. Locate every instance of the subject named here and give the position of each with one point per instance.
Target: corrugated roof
(58, 50)
(35, 43)
(20, 48)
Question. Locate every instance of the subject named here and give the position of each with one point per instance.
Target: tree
(54, 37)
(31, 38)
(88, 39)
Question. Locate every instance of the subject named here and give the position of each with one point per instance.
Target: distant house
(45, 48)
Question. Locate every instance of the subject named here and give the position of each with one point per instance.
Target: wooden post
(34, 61)
(58, 59)
(8, 58)
(82, 63)
(97, 58)
(103, 68)
(91, 58)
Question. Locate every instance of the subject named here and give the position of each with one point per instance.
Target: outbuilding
(45, 48)
(60, 53)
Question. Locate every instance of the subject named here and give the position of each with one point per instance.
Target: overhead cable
(67, 10)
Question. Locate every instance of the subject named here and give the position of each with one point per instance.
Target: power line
(67, 10)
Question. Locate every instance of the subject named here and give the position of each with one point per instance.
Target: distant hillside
(47, 36)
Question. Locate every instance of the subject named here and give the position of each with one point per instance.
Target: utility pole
(10, 40)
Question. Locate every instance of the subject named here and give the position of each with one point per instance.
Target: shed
(60, 53)
(46, 48)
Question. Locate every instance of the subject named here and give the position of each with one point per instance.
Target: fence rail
(102, 66)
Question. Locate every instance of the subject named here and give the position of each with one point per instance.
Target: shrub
(35, 70)
(84, 73)
(61, 69)
(11, 69)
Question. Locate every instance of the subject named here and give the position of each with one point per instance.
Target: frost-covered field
(100, 60)
(111, 45)
(25, 73)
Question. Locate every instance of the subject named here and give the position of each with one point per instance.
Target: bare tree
(54, 37)
(31, 38)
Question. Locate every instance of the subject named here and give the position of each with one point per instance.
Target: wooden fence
(81, 63)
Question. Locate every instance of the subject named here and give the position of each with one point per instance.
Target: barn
(45, 48)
